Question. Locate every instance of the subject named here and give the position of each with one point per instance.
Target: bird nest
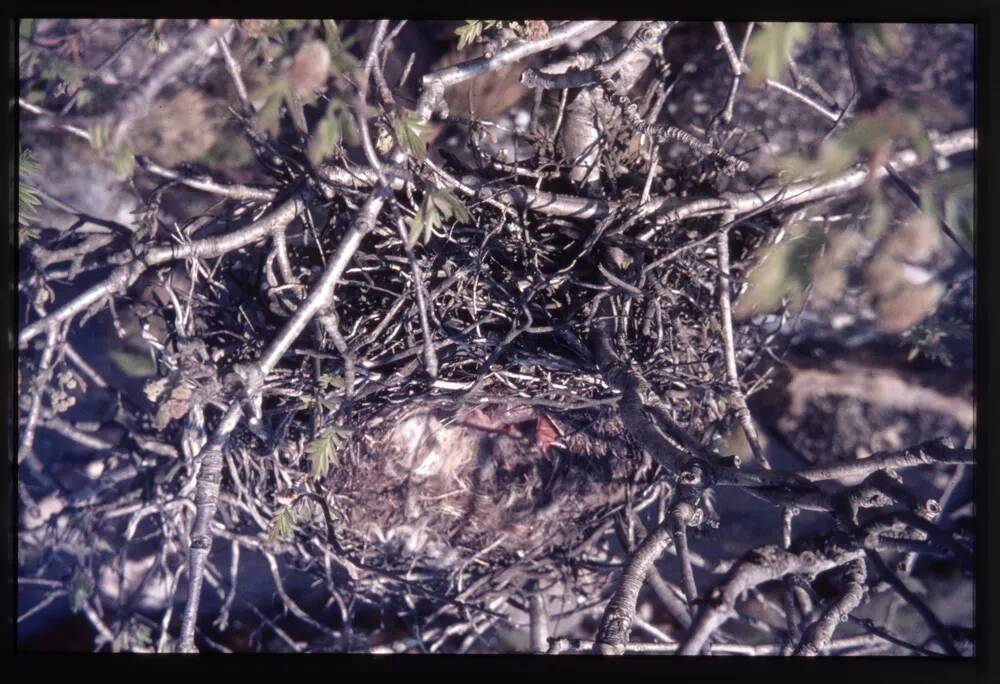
(438, 488)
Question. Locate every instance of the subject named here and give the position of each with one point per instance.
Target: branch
(933, 451)
(616, 624)
(434, 84)
(818, 634)
(125, 275)
(728, 344)
(756, 567)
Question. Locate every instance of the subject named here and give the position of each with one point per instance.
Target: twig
(735, 62)
(436, 83)
(236, 75)
(644, 39)
(205, 184)
(681, 515)
(727, 112)
(40, 382)
(430, 354)
(933, 451)
(805, 99)
(729, 348)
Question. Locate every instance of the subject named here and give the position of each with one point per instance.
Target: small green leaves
(327, 380)
(335, 126)
(783, 271)
(98, 135)
(928, 339)
(883, 39)
(770, 47)
(282, 525)
(872, 134)
(323, 451)
(874, 131)
(135, 636)
(951, 197)
(84, 97)
(417, 229)
(437, 205)
(79, 590)
(28, 198)
(27, 166)
(472, 29)
(124, 160)
(268, 118)
(449, 205)
(326, 138)
(342, 62)
(408, 132)
(133, 362)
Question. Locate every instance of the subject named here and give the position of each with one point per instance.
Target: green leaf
(770, 48)
(326, 138)
(472, 29)
(416, 229)
(98, 136)
(883, 39)
(28, 197)
(124, 161)
(136, 364)
(287, 25)
(431, 219)
(268, 119)
(868, 133)
(80, 588)
(408, 132)
(282, 525)
(782, 271)
(468, 32)
(342, 62)
(26, 27)
(450, 205)
(326, 381)
(27, 166)
(952, 197)
(84, 97)
(27, 203)
(322, 454)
